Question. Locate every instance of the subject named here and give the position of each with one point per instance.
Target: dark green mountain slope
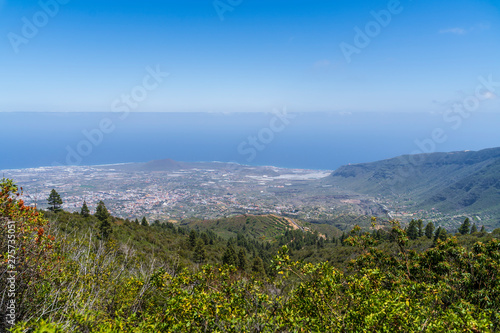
(479, 191)
(466, 181)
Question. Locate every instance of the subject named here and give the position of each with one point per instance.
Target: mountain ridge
(463, 181)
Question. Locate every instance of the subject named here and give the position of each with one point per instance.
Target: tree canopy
(465, 227)
(54, 200)
(103, 216)
(85, 212)
(386, 283)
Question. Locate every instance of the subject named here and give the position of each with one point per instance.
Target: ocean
(285, 139)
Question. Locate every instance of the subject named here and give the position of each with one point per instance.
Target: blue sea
(295, 140)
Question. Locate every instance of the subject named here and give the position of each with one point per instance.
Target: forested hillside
(96, 273)
(465, 181)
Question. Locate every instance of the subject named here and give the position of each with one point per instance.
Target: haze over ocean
(208, 71)
(303, 140)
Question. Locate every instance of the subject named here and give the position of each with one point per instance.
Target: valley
(160, 191)
(445, 188)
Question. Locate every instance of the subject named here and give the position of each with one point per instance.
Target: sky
(247, 56)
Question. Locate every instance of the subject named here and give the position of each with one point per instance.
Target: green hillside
(457, 182)
(175, 244)
(479, 191)
(261, 227)
(97, 273)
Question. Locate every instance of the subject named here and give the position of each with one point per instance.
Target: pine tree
(429, 230)
(436, 234)
(199, 252)
(103, 216)
(85, 212)
(420, 224)
(55, 202)
(204, 236)
(136, 221)
(101, 211)
(242, 259)
(465, 227)
(229, 257)
(144, 222)
(483, 229)
(192, 238)
(440, 234)
(473, 229)
(412, 231)
(258, 266)
(342, 238)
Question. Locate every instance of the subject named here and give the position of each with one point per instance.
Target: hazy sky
(250, 55)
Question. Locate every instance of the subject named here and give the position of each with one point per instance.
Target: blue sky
(261, 55)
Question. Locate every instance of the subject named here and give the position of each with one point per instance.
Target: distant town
(208, 191)
(175, 195)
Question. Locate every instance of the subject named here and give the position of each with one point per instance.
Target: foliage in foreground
(97, 285)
